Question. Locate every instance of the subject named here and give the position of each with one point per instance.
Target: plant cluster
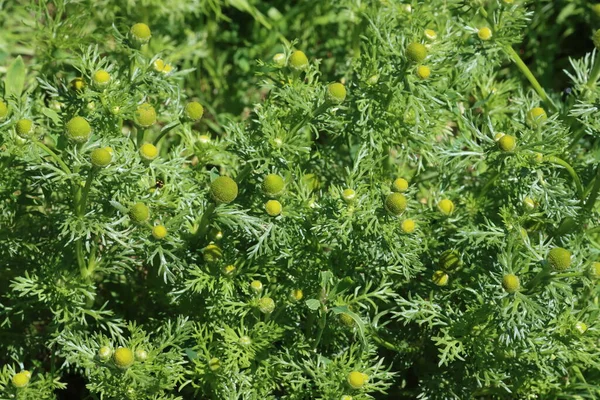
(404, 212)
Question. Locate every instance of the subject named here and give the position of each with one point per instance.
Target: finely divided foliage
(404, 212)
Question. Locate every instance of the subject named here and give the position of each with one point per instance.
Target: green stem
(140, 137)
(84, 195)
(243, 173)
(164, 132)
(322, 324)
(318, 111)
(55, 156)
(205, 221)
(591, 201)
(571, 171)
(529, 75)
(568, 275)
(595, 74)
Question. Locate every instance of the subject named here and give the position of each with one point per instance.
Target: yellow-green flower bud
(529, 203)
(140, 33)
(336, 93)
(440, 278)
(594, 271)
(148, 151)
(145, 115)
(446, 206)
(298, 60)
(101, 78)
(581, 327)
(273, 208)
(395, 203)
(266, 305)
(123, 357)
(273, 185)
(357, 379)
(347, 320)
(596, 39)
(408, 226)
(450, 260)
(77, 84)
(141, 355)
(430, 34)
(101, 157)
(507, 143)
(596, 10)
(224, 189)
(194, 111)
(21, 379)
(349, 195)
(256, 286)
(245, 340)
(416, 52)
(400, 185)
(536, 116)
(104, 353)
(139, 213)
(484, 33)
(212, 253)
(159, 232)
(24, 128)
(229, 270)
(423, 71)
(78, 130)
(214, 364)
(511, 283)
(296, 295)
(3, 110)
(279, 60)
(559, 259)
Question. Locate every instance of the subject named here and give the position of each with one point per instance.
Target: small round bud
(507, 143)
(528, 203)
(347, 320)
(101, 157)
(395, 203)
(400, 185)
(596, 39)
(408, 226)
(224, 189)
(78, 130)
(21, 379)
(159, 65)
(336, 93)
(511, 283)
(423, 71)
(594, 271)
(357, 379)
(484, 33)
(140, 33)
(212, 253)
(229, 270)
(266, 305)
(3, 110)
(214, 364)
(145, 115)
(296, 295)
(430, 34)
(256, 286)
(416, 52)
(536, 116)
(245, 340)
(148, 151)
(104, 353)
(298, 60)
(446, 206)
(596, 10)
(581, 327)
(559, 259)
(141, 355)
(139, 213)
(77, 84)
(440, 278)
(450, 260)
(349, 195)
(159, 232)
(346, 397)
(273, 208)
(204, 139)
(101, 78)
(279, 60)
(24, 128)
(193, 111)
(123, 357)
(273, 185)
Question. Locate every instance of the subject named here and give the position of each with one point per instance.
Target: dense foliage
(333, 199)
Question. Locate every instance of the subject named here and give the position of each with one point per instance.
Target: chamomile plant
(389, 204)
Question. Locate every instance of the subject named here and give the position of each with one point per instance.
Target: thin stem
(243, 173)
(543, 274)
(318, 111)
(84, 195)
(529, 75)
(322, 324)
(55, 156)
(140, 137)
(571, 171)
(204, 221)
(164, 132)
(591, 201)
(595, 74)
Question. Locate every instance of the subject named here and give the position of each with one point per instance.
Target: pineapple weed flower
(392, 194)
